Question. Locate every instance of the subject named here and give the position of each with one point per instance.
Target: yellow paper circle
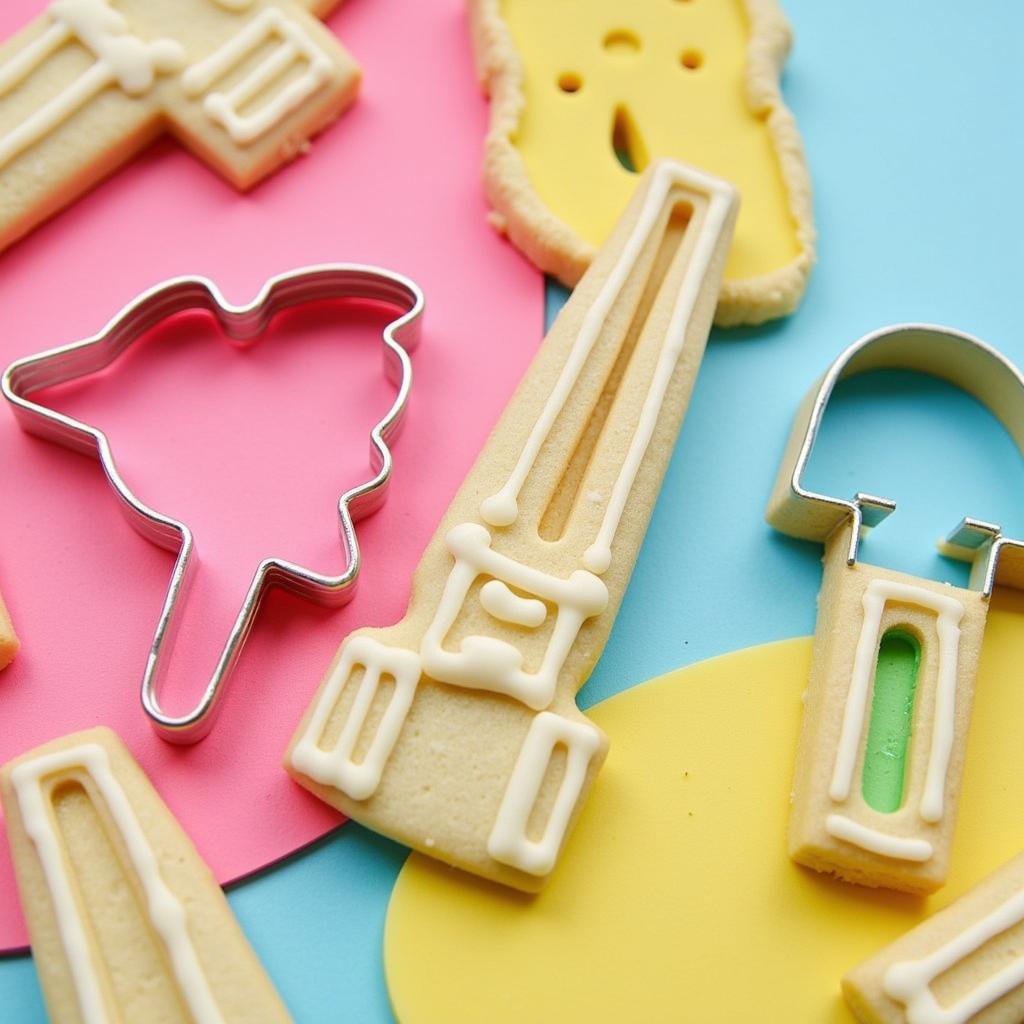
(675, 900)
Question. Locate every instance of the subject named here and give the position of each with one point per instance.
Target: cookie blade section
(126, 921)
(517, 591)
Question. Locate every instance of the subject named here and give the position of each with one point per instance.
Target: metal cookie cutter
(241, 324)
(875, 793)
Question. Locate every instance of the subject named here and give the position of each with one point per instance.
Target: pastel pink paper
(251, 448)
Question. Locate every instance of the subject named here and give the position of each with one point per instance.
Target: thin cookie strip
(581, 89)
(87, 85)
(126, 921)
(456, 730)
(8, 639)
(966, 963)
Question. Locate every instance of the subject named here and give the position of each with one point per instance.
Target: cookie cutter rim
(961, 359)
(241, 324)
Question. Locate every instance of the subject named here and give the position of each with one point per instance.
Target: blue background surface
(910, 115)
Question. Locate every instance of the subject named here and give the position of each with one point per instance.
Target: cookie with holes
(585, 93)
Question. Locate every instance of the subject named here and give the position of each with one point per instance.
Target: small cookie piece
(881, 751)
(966, 963)
(585, 92)
(8, 640)
(456, 731)
(126, 921)
(242, 83)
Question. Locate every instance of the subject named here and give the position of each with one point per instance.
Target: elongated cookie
(966, 963)
(242, 83)
(127, 923)
(456, 731)
(585, 92)
(8, 640)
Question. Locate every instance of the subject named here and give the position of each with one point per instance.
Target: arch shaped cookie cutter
(959, 358)
(241, 324)
(868, 803)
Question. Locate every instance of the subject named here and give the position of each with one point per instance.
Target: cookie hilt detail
(881, 751)
(456, 730)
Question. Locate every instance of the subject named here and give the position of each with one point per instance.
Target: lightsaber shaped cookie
(966, 963)
(242, 83)
(881, 750)
(585, 93)
(456, 731)
(127, 922)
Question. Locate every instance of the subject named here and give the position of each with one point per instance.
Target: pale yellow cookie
(8, 640)
(126, 921)
(833, 827)
(585, 92)
(966, 963)
(242, 83)
(456, 731)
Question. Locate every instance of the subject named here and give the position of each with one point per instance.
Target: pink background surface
(251, 449)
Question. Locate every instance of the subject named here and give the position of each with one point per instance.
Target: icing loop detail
(874, 841)
(165, 910)
(489, 663)
(224, 107)
(508, 840)
(949, 613)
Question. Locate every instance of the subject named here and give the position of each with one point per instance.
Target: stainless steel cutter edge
(961, 359)
(242, 324)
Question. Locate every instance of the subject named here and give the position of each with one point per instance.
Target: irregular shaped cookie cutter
(241, 324)
(966, 362)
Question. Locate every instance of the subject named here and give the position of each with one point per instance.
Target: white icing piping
(908, 982)
(223, 107)
(166, 913)
(508, 842)
(502, 508)
(335, 767)
(121, 58)
(486, 662)
(499, 601)
(949, 612)
(870, 839)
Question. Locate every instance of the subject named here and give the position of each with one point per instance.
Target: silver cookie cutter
(965, 362)
(241, 324)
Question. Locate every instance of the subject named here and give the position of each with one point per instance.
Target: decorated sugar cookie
(242, 83)
(127, 923)
(8, 640)
(585, 93)
(456, 731)
(964, 964)
(881, 753)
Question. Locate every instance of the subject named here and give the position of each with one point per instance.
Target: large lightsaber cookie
(964, 964)
(456, 731)
(127, 923)
(242, 83)
(881, 751)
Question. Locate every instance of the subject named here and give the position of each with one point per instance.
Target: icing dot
(499, 509)
(597, 558)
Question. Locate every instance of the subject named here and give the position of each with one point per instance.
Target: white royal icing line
(335, 767)
(499, 601)
(502, 508)
(949, 612)
(122, 59)
(223, 107)
(909, 981)
(508, 842)
(870, 839)
(488, 663)
(166, 913)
